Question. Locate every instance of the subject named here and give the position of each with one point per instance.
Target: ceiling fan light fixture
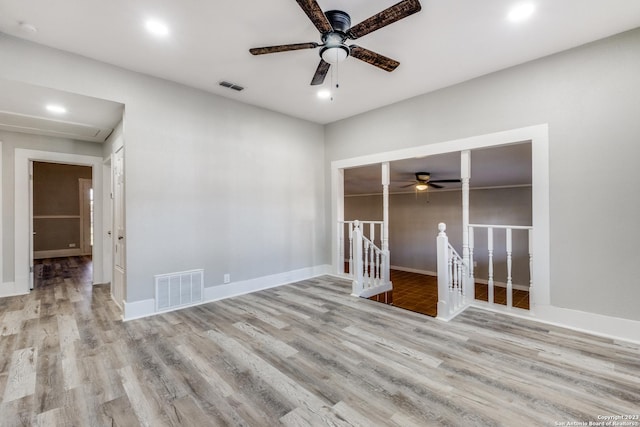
(324, 94)
(334, 54)
(421, 186)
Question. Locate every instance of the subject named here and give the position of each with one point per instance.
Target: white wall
(589, 97)
(210, 182)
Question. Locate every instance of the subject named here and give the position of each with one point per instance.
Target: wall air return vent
(231, 86)
(179, 289)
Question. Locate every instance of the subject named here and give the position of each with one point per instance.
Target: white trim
(539, 137)
(21, 226)
(145, 308)
(139, 309)
(614, 328)
(57, 253)
(2, 285)
(415, 270)
(10, 289)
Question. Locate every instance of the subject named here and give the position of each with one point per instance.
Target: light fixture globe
(334, 54)
(421, 186)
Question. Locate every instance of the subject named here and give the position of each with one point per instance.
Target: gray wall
(11, 141)
(210, 182)
(414, 218)
(589, 97)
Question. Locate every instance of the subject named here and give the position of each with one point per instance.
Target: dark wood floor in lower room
(419, 293)
(301, 354)
(52, 271)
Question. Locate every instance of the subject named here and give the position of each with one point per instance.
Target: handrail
(371, 244)
(361, 222)
(513, 227)
(452, 249)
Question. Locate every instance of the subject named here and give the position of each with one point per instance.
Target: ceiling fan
(335, 28)
(423, 181)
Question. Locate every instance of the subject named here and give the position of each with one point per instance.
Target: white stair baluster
(471, 265)
(490, 249)
(366, 264)
(530, 262)
(509, 265)
(341, 244)
(351, 270)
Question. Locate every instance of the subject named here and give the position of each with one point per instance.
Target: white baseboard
(9, 289)
(145, 308)
(57, 253)
(614, 328)
(414, 270)
(139, 309)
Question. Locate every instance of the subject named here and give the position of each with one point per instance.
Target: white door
(107, 221)
(119, 244)
(31, 232)
(86, 216)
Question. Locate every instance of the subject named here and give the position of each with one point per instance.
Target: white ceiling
(449, 41)
(505, 166)
(23, 109)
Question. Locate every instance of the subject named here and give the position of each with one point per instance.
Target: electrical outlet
(227, 278)
(475, 263)
(72, 245)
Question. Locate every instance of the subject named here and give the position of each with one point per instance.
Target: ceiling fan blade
(282, 48)
(316, 15)
(321, 73)
(406, 186)
(443, 180)
(431, 184)
(384, 18)
(373, 58)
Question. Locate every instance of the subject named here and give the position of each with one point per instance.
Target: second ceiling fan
(335, 29)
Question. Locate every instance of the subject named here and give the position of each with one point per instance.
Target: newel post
(386, 263)
(465, 177)
(358, 278)
(444, 303)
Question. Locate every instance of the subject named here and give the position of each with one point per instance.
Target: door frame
(22, 245)
(84, 216)
(107, 221)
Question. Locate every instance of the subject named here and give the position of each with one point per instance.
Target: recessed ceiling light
(55, 108)
(521, 12)
(324, 94)
(157, 28)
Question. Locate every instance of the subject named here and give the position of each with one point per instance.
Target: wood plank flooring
(419, 293)
(297, 355)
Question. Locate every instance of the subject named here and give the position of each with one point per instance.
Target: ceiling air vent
(231, 85)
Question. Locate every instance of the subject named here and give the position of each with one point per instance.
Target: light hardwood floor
(302, 354)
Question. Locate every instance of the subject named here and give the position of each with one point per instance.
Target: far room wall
(414, 219)
(57, 213)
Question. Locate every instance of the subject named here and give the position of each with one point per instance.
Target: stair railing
(453, 294)
(371, 275)
(371, 229)
(489, 229)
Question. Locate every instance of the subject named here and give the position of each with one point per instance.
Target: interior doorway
(62, 222)
(23, 242)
